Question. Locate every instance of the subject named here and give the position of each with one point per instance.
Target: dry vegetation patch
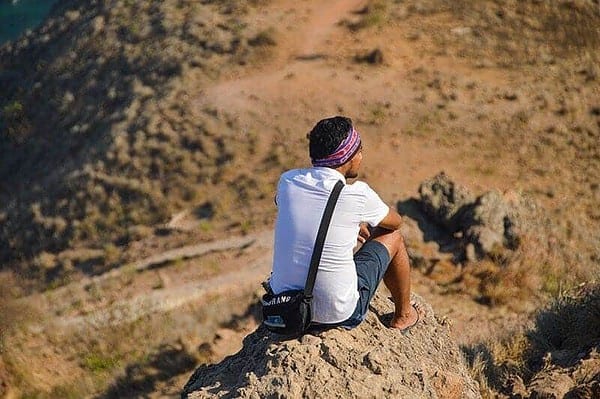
(505, 249)
(558, 355)
(484, 32)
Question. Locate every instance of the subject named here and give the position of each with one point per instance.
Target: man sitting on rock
(345, 283)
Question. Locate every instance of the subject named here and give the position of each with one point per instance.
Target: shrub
(375, 14)
(264, 38)
(13, 120)
(98, 363)
(13, 111)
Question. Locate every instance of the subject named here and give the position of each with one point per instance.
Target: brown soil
(492, 113)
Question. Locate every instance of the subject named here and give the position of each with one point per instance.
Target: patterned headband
(343, 153)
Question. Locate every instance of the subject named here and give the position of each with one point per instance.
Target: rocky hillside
(118, 115)
(140, 142)
(500, 246)
(98, 133)
(368, 361)
(476, 244)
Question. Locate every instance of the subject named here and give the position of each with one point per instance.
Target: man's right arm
(391, 221)
(374, 207)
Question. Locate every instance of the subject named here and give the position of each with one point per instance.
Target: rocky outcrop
(368, 361)
(444, 201)
(485, 223)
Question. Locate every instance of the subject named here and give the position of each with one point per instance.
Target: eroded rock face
(485, 222)
(445, 201)
(368, 361)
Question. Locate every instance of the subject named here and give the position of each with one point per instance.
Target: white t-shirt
(301, 198)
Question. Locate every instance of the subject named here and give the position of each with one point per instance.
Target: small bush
(98, 363)
(13, 111)
(264, 38)
(375, 14)
(112, 254)
(13, 120)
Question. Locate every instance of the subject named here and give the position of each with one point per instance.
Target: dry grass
(491, 363)
(13, 314)
(374, 15)
(109, 361)
(572, 323)
(524, 277)
(14, 319)
(563, 333)
(540, 269)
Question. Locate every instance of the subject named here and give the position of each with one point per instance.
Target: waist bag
(289, 312)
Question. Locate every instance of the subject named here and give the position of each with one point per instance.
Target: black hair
(327, 135)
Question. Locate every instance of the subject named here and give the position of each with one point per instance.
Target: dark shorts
(371, 261)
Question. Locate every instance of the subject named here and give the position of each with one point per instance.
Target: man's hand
(363, 233)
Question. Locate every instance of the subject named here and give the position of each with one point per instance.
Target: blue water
(16, 16)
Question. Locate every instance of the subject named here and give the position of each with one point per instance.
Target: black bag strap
(320, 241)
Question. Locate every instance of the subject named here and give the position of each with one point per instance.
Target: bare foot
(405, 322)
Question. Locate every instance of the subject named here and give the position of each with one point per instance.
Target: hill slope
(118, 115)
(132, 131)
(98, 133)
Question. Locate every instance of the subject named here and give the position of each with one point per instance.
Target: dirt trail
(176, 293)
(311, 25)
(170, 298)
(322, 22)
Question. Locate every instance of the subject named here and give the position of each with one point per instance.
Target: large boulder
(371, 360)
(487, 222)
(445, 201)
